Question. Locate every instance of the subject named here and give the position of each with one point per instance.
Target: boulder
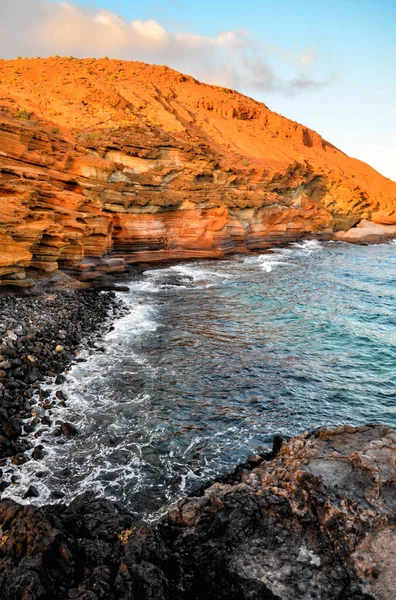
(367, 232)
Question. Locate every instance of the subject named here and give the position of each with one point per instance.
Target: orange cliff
(105, 163)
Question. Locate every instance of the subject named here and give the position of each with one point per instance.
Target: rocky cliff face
(108, 163)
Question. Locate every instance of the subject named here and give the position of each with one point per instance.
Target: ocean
(214, 358)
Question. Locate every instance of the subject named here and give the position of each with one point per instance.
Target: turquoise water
(214, 358)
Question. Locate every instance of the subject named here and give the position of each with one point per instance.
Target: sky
(329, 64)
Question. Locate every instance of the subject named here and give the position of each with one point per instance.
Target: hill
(104, 158)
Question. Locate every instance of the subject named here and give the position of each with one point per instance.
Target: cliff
(105, 163)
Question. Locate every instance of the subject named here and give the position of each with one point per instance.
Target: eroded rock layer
(101, 158)
(315, 521)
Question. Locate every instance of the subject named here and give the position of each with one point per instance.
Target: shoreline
(111, 272)
(40, 338)
(26, 408)
(315, 519)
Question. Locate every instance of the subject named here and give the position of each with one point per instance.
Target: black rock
(32, 492)
(57, 494)
(38, 453)
(40, 324)
(19, 459)
(69, 430)
(12, 428)
(34, 375)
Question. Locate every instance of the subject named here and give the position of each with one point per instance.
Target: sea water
(215, 357)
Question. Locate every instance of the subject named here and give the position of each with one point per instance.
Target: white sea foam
(309, 245)
(199, 273)
(90, 404)
(129, 394)
(141, 287)
(267, 262)
(190, 274)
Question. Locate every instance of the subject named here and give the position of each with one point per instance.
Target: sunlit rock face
(366, 232)
(101, 157)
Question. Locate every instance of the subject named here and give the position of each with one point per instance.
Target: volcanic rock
(315, 522)
(32, 492)
(12, 429)
(30, 329)
(69, 430)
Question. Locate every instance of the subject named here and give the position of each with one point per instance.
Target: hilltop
(109, 156)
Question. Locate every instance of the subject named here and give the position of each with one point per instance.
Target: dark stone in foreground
(317, 521)
(39, 338)
(69, 430)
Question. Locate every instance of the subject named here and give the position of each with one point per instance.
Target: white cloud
(232, 58)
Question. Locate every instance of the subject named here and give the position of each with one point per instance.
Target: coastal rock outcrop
(106, 163)
(367, 232)
(315, 521)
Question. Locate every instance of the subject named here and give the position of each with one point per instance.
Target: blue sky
(330, 64)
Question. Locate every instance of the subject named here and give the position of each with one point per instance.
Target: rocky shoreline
(112, 273)
(39, 338)
(314, 518)
(315, 521)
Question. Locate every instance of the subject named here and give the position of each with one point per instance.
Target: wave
(189, 382)
(268, 262)
(197, 272)
(185, 276)
(98, 411)
(309, 245)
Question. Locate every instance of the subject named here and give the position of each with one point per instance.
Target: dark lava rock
(315, 522)
(57, 494)
(39, 337)
(4, 485)
(68, 429)
(38, 452)
(32, 492)
(19, 459)
(12, 428)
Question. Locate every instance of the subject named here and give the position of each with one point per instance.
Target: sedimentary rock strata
(104, 158)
